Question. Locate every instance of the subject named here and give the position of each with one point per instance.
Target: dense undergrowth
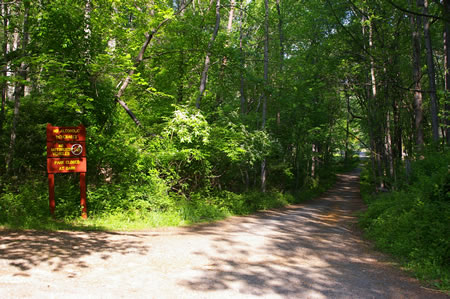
(24, 205)
(185, 168)
(413, 222)
(110, 209)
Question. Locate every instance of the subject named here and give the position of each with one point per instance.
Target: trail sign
(66, 153)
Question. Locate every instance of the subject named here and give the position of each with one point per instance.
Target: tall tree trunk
(431, 74)
(207, 63)
(281, 65)
(447, 69)
(241, 52)
(417, 74)
(20, 87)
(397, 135)
(231, 16)
(220, 93)
(388, 146)
(347, 129)
(87, 28)
(266, 64)
(387, 119)
(266, 83)
(4, 87)
(376, 128)
(370, 100)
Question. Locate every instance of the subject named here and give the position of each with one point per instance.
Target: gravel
(310, 250)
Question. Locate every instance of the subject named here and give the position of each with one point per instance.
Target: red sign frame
(66, 153)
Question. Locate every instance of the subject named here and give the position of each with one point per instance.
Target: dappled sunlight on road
(312, 250)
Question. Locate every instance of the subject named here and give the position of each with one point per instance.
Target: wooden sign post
(66, 153)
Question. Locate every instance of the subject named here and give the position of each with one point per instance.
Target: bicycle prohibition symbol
(76, 149)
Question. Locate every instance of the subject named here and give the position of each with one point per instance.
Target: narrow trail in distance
(310, 250)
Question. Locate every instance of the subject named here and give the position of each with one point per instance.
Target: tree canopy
(180, 97)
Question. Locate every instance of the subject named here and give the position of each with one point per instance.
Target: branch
(138, 60)
(359, 10)
(204, 77)
(417, 13)
(348, 31)
(362, 142)
(172, 52)
(354, 116)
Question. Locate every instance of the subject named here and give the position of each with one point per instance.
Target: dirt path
(303, 251)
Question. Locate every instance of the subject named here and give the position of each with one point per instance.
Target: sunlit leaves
(188, 126)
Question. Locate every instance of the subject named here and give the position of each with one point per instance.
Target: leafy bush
(24, 205)
(413, 223)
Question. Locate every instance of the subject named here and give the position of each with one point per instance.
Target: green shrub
(413, 223)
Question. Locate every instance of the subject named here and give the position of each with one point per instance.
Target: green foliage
(80, 53)
(222, 204)
(25, 205)
(187, 126)
(413, 223)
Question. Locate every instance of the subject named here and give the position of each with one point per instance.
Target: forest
(196, 110)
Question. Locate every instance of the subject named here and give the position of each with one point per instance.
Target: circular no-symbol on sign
(76, 149)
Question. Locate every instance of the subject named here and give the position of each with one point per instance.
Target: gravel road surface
(311, 250)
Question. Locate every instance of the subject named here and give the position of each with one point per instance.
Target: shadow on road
(301, 251)
(27, 249)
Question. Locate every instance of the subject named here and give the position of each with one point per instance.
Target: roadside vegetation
(412, 222)
(24, 205)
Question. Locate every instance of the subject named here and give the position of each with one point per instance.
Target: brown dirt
(311, 250)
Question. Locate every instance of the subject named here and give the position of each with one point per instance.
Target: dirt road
(303, 251)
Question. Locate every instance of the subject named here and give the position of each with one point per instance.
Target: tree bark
(388, 146)
(242, 57)
(417, 74)
(281, 65)
(373, 115)
(20, 87)
(231, 15)
(315, 152)
(207, 63)
(447, 70)
(347, 129)
(370, 100)
(4, 86)
(431, 74)
(87, 28)
(266, 83)
(280, 33)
